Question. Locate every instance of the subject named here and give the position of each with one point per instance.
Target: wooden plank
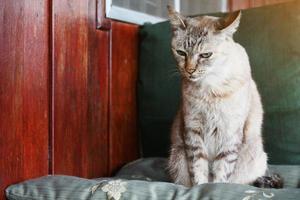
(244, 4)
(238, 4)
(123, 137)
(98, 97)
(257, 3)
(23, 90)
(80, 90)
(268, 2)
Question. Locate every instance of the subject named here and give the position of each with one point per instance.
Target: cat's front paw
(220, 179)
(201, 181)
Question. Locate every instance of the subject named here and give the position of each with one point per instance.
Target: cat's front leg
(197, 158)
(224, 164)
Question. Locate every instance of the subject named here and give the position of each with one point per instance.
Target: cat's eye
(206, 55)
(181, 53)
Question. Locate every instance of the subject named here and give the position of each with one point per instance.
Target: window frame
(140, 18)
(132, 16)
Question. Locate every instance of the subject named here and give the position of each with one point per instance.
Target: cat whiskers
(201, 71)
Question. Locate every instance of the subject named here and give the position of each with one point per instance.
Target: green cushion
(154, 169)
(73, 188)
(271, 36)
(151, 172)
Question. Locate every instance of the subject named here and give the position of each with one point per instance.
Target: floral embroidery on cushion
(257, 195)
(114, 189)
(247, 197)
(250, 191)
(269, 196)
(96, 187)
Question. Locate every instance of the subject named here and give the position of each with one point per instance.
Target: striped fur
(216, 134)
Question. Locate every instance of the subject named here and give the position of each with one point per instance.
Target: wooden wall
(244, 4)
(24, 90)
(80, 68)
(123, 139)
(67, 91)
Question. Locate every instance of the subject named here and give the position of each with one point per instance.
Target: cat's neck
(191, 89)
(213, 90)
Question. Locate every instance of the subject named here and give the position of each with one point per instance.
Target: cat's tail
(269, 181)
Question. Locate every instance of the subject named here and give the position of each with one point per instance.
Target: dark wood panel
(123, 140)
(23, 90)
(98, 96)
(80, 90)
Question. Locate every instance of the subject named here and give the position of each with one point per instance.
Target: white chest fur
(219, 121)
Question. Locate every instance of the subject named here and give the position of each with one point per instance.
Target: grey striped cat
(216, 134)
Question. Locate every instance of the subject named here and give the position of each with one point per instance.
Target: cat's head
(201, 44)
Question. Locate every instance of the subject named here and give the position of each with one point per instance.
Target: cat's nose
(190, 70)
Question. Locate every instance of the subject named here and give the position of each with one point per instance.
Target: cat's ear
(229, 23)
(176, 19)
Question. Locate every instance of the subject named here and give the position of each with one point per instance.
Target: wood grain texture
(23, 90)
(123, 137)
(80, 90)
(244, 4)
(67, 91)
(238, 4)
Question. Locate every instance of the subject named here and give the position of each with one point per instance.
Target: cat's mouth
(193, 78)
